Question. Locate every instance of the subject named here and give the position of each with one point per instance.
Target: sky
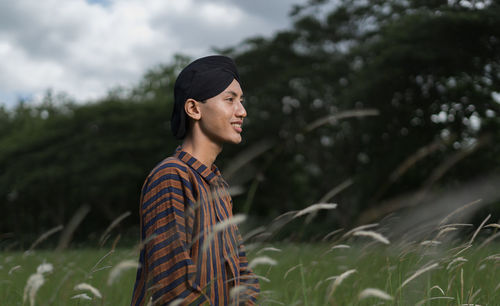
(86, 47)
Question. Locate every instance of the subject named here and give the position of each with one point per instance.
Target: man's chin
(236, 140)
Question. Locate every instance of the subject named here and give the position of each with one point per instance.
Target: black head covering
(203, 79)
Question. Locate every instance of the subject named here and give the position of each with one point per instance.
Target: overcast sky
(85, 47)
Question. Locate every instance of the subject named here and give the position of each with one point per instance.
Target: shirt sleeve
(247, 277)
(166, 198)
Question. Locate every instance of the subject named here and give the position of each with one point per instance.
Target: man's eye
(230, 99)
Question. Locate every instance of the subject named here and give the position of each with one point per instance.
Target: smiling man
(183, 259)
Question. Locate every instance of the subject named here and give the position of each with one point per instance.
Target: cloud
(87, 47)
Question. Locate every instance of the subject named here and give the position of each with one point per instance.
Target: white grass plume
(418, 273)
(246, 156)
(143, 243)
(338, 246)
(284, 216)
(94, 268)
(463, 250)
(113, 224)
(372, 234)
(495, 257)
(337, 189)
(339, 279)
(446, 230)
(479, 228)
(14, 268)
(314, 207)
(330, 234)
(456, 225)
(44, 268)
(119, 268)
(454, 261)
(458, 210)
(290, 270)
(373, 292)
(88, 287)
(267, 280)
(495, 225)
(270, 249)
(360, 228)
(69, 230)
(81, 296)
(438, 288)
(35, 281)
(236, 219)
(44, 236)
(430, 242)
(176, 302)
(235, 292)
(473, 296)
(262, 260)
(254, 232)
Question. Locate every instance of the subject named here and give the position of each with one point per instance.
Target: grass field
(303, 274)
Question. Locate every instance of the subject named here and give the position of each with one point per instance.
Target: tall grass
(348, 269)
(435, 264)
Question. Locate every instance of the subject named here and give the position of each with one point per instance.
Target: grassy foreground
(292, 274)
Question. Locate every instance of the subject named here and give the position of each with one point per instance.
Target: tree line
(358, 103)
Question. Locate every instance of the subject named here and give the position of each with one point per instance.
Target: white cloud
(87, 48)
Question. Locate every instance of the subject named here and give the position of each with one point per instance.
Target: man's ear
(192, 109)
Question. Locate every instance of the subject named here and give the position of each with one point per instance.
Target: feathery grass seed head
(373, 292)
(315, 207)
(81, 296)
(119, 268)
(45, 268)
(262, 260)
(418, 273)
(372, 234)
(88, 287)
(35, 281)
(339, 279)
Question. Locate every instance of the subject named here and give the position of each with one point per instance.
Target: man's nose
(241, 111)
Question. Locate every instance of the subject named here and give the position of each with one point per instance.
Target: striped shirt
(183, 258)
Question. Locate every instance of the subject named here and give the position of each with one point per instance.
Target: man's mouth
(237, 126)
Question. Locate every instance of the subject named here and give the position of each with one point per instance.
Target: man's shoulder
(169, 166)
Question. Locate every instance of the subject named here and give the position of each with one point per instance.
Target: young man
(184, 197)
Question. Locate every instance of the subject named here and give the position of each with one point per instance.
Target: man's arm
(248, 278)
(170, 268)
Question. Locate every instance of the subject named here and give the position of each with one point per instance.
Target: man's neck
(202, 149)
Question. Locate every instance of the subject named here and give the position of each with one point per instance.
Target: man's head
(204, 79)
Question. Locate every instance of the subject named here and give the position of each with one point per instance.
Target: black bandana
(203, 79)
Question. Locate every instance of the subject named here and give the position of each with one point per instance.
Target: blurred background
(382, 107)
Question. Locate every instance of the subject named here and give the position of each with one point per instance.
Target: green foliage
(308, 271)
(303, 273)
(430, 69)
(71, 268)
(59, 156)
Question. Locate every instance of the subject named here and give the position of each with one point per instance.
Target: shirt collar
(208, 174)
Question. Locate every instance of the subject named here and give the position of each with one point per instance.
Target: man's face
(222, 116)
